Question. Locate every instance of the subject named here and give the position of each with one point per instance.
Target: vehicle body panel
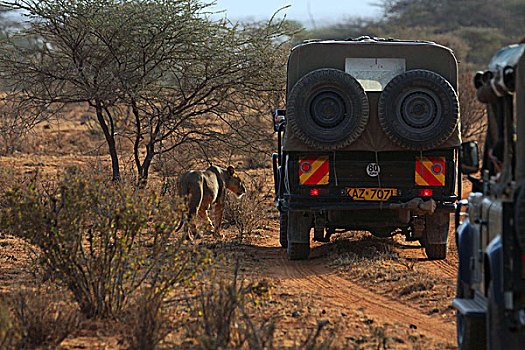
(491, 242)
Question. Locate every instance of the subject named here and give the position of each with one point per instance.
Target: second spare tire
(327, 109)
(418, 110)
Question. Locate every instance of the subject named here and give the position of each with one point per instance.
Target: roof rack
(375, 38)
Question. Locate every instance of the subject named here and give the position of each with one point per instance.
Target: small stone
(413, 326)
(343, 314)
(352, 338)
(433, 311)
(295, 314)
(323, 312)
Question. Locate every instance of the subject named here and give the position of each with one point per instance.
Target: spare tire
(418, 110)
(327, 109)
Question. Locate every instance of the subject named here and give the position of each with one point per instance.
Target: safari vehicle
(369, 140)
(490, 299)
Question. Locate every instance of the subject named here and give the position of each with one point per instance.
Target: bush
(102, 240)
(226, 312)
(247, 214)
(146, 321)
(222, 318)
(40, 320)
(18, 117)
(473, 114)
(7, 334)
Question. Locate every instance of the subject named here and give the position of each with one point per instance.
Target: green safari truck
(369, 140)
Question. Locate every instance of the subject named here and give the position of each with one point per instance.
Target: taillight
(425, 192)
(314, 192)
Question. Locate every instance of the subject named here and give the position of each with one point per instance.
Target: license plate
(370, 194)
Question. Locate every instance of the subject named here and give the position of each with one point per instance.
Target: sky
(311, 13)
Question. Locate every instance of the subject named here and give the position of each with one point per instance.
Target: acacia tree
(18, 116)
(178, 71)
(214, 93)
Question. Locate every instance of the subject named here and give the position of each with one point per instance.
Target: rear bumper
(293, 203)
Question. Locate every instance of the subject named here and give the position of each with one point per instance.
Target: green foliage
(185, 77)
(447, 14)
(102, 240)
(474, 29)
(483, 42)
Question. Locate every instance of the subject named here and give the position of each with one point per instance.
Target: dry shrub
(146, 321)
(7, 331)
(417, 286)
(226, 317)
(473, 113)
(368, 248)
(257, 161)
(314, 341)
(18, 116)
(102, 240)
(42, 318)
(222, 320)
(247, 214)
(7, 179)
(148, 318)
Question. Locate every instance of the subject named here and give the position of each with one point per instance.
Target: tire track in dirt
(313, 276)
(446, 267)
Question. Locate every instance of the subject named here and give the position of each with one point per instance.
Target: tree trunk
(110, 139)
(144, 168)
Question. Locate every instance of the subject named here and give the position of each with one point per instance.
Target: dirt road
(357, 298)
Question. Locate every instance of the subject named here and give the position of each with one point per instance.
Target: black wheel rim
(419, 108)
(327, 108)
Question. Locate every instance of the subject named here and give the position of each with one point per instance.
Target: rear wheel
(298, 251)
(436, 251)
(283, 230)
(435, 236)
(298, 234)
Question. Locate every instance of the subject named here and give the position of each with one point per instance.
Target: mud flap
(299, 225)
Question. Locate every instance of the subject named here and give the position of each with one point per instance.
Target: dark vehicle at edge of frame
(490, 297)
(369, 140)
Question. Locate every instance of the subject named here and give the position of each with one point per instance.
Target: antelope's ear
(231, 170)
